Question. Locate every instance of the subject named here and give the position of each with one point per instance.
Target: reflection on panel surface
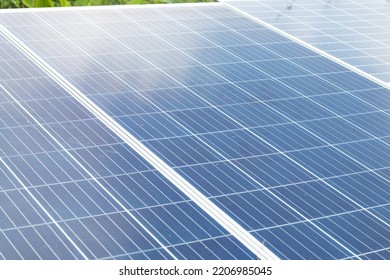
(271, 140)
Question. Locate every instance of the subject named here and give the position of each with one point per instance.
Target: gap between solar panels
(307, 45)
(247, 239)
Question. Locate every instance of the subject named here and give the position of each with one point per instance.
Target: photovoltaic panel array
(70, 189)
(188, 132)
(356, 31)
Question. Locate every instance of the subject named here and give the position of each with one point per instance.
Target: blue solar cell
(268, 90)
(354, 31)
(280, 68)
(344, 103)
(263, 36)
(379, 255)
(239, 72)
(236, 144)
(8, 251)
(311, 85)
(257, 209)
(203, 120)
(57, 242)
(191, 151)
(288, 49)
(21, 245)
(252, 53)
(375, 123)
(207, 178)
(378, 98)
(289, 136)
(382, 212)
(315, 199)
(370, 152)
(14, 218)
(350, 81)
(151, 126)
(336, 130)
(301, 109)
(220, 94)
(254, 114)
(372, 232)
(366, 188)
(318, 64)
(327, 162)
(301, 241)
(202, 250)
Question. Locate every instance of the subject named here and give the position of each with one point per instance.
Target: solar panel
(151, 133)
(355, 31)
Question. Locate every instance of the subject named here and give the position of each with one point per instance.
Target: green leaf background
(65, 3)
(38, 3)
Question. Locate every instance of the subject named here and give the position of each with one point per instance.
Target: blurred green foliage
(5, 4)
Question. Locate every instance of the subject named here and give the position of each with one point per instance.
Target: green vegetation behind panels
(5, 4)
